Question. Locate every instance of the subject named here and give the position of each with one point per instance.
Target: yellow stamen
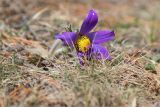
(82, 44)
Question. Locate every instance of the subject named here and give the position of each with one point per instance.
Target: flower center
(82, 44)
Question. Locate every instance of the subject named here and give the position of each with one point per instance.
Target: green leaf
(151, 67)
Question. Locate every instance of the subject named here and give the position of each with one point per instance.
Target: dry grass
(29, 79)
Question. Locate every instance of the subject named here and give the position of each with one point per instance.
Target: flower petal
(101, 36)
(89, 22)
(68, 38)
(80, 57)
(100, 52)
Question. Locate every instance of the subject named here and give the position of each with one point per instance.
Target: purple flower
(88, 44)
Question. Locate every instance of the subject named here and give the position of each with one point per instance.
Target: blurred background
(133, 17)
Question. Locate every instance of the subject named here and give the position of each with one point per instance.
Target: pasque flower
(88, 44)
